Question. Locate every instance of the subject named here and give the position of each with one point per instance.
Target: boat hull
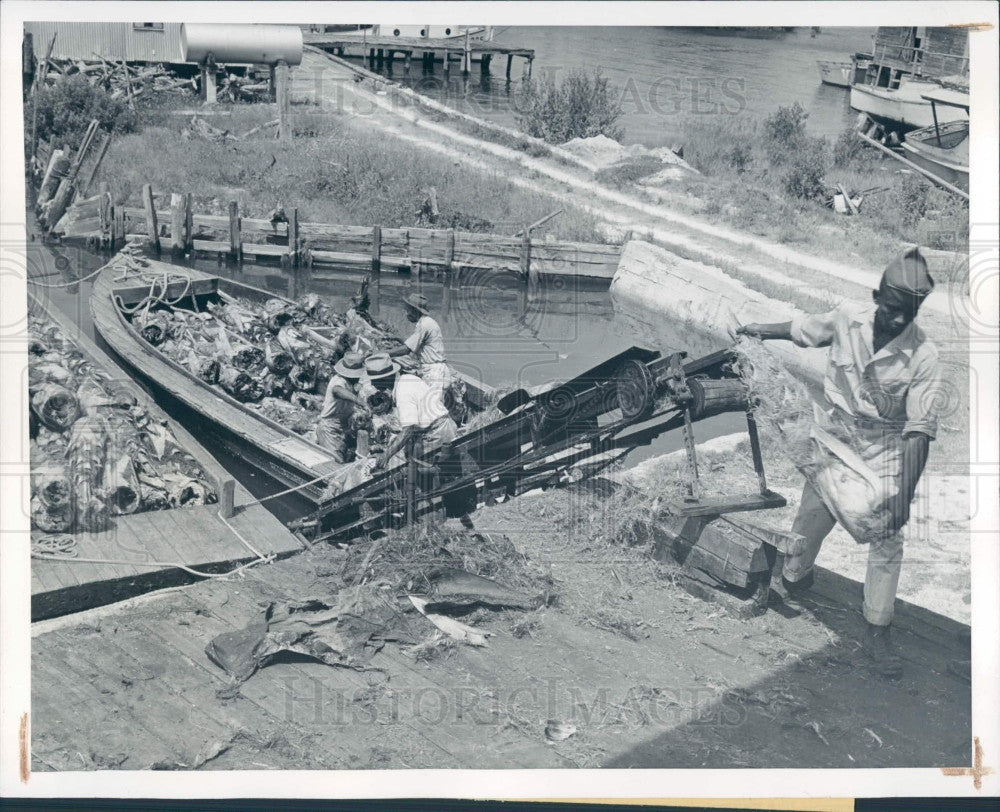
(901, 109)
(949, 160)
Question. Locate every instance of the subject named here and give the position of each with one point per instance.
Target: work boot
(878, 646)
(790, 590)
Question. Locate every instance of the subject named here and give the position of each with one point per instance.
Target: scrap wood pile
(120, 79)
(96, 453)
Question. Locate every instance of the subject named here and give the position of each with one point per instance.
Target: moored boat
(843, 74)
(267, 446)
(943, 148)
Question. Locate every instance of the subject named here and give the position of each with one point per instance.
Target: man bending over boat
(882, 381)
(426, 346)
(424, 421)
(335, 431)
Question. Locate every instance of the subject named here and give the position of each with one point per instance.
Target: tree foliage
(66, 109)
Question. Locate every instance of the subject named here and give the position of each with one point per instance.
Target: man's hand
(891, 516)
(380, 462)
(752, 329)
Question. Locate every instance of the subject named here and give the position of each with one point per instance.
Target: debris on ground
(451, 627)
(556, 731)
(344, 632)
(616, 163)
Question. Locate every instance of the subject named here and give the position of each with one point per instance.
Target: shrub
(581, 107)
(806, 165)
(783, 131)
(849, 150)
(911, 198)
(66, 109)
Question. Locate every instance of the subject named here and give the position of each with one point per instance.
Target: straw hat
(380, 365)
(351, 365)
(417, 301)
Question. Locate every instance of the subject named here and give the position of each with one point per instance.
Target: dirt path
(396, 112)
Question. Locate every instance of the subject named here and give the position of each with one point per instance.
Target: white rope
(64, 284)
(263, 560)
(289, 490)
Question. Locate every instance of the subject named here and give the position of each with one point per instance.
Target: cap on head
(416, 301)
(908, 274)
(379, 366)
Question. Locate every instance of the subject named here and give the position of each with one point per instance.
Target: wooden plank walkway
(133, 688)
(140, 552)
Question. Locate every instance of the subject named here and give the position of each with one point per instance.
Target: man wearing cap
(882, 381)
(422, 414)
(425, 343)
(339, 403)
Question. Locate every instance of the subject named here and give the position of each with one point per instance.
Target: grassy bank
(769, 178)
(335, 171)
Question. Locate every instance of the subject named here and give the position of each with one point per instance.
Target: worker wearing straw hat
(333, 430)
(419, 407)
(882, 389)
(425, 343)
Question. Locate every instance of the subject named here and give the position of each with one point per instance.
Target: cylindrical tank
(255, 44)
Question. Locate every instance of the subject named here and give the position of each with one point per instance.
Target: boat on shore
(843, 74)
(943, 148)
(906, 64)
(265, 445)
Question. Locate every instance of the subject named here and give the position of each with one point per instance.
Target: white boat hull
(902, 108)
(838, 74)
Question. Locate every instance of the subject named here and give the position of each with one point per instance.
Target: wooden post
(530, 276)
(406, 62)
(177, 225)
(510, 59)
(272, 84)
(209, 86)
(151, 226)
(60, 202)
(235, 237)
(58, 166)
(39, 82)
(484, 63)
(293, 238)
(106, 215)
(117, 225)
(188, 222)
(467, 54)
(281, 73)
(93, 170)
(449, 259)
(376, 272)
(227, 498)
(525, 268)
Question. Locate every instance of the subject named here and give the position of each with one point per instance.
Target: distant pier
(382, 51)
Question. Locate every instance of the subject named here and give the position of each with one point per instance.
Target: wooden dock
(383, 50)
(146, 551)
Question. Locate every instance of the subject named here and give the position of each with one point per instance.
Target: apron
(857, 465)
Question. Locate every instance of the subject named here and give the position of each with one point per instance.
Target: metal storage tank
(252, 44)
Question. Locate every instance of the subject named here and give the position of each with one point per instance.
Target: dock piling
(235, 237)
(376, 270)
(152, 228)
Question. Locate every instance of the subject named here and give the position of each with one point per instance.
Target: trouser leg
(813, 522)
(885, 559)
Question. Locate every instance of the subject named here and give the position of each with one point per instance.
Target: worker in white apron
(872, 435)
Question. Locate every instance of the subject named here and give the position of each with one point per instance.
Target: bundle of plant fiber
(782, 405)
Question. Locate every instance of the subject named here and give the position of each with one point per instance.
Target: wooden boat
(843, 74)
(943, 148)
(144, 551)
(265, 445)
(906, 63)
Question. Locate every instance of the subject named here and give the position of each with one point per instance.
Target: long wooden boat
(264, 445)
(140, 552)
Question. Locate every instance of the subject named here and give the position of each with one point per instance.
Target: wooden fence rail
(167, 221)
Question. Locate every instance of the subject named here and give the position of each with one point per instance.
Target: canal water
(662, 75)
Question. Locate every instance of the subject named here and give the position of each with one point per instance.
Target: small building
(133, 42)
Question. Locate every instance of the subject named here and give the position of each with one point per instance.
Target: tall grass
(770, 178)
(334, 172)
